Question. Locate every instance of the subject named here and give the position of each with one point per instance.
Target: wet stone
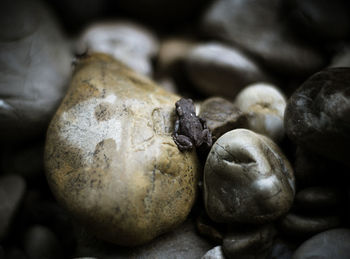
(221, 116)
(329, 244)
(220, 70)
(317, 115)
(247, 179)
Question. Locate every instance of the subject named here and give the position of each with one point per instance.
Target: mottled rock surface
(110, 158)
(247, 179)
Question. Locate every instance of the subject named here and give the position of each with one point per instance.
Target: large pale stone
(110, 158)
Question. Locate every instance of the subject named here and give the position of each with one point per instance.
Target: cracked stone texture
(35, 61)
(110, 158)
(247, 179)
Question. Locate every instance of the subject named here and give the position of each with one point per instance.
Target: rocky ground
(89, 163)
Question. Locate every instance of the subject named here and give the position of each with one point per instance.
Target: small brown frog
(190, 130)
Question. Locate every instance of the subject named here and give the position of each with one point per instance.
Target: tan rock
(110, 158)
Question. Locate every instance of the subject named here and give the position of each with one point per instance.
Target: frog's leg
(203, 122)
(206, 137)
(183, 142)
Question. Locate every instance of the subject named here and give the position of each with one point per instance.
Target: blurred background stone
(182, 242)
(12, 189)
(41, 243)
(35, 61)
(220, 70)
(131, 43)
(329, 244)
(258, 27)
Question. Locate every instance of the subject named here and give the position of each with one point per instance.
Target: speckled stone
(110, 158)
(329, 244)
(247, 179)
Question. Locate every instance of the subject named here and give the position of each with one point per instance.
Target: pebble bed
(270, 77)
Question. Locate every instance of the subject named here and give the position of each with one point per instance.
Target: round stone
(247, 179)
(35, 60)
(41, 243)
(221, 116)
(217, 69)
(264, 105)
(110, 157)
(257, 27)
(251, 243)
(318, 198)
(341, 58)
(214, 253)
(326, 20)
(131, 43)
(182, 242)
(329, 244)
(302, 226)
(317, 115)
